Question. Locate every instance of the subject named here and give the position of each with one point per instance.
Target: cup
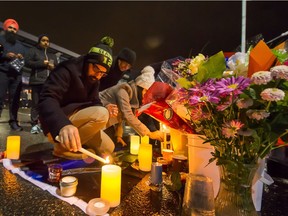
(198, 196)
(54, 172)
(179, 163)
(165, 164)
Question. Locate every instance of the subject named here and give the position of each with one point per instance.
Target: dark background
(155, 30)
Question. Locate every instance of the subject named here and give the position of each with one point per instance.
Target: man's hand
(120, 140)
(157, 135)
(11, 55)
(113, 110)
(69, 138)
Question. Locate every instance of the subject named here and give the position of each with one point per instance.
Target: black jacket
(35, 60)
(65, 91)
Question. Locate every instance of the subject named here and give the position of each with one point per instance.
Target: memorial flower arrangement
(243, 118)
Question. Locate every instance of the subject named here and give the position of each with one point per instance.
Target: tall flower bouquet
(242, 117)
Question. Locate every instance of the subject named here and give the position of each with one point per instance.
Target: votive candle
(134, 144)
(145, 157)
(145, 140)
(111, 184)
(13, 147)
(167, 154)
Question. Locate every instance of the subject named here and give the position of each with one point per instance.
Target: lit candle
(165, 129)
(145, 140)
(167, 154)
(134, 144)
(156, 173)
(111, 184)
(145, 157)
(13, 147)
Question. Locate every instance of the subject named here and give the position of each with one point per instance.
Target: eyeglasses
(11, 27)
(97, 70)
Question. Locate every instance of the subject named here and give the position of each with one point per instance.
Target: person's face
(44, 42)
(96, 72)
(123, 65)
(12, 28)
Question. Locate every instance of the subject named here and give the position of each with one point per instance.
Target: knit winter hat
(146, 79)
(41, 36)
(127, 55)
(101, 53)
(10, 22)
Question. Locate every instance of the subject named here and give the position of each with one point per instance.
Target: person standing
(70, 111)
(121, 69)
(9, 78)
(42, 62)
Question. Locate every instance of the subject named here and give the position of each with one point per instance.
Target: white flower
(261, 77)
(280, 72)
(238, 63)
(272, 94)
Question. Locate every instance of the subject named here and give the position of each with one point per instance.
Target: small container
(54, 172)
(68, 186)
(179, 163)
(97, 206)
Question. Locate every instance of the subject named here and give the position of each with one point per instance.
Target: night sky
(155, 30)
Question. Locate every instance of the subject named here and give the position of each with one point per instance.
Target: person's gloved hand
(157, 135)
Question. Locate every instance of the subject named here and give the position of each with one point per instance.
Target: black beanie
(101, 53)
(127, 55)
(41, 36)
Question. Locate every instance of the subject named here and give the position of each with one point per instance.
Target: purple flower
(272, 94)
(257, 114)
(233, 85)
(261, 77)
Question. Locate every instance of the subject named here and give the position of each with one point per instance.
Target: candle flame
(107, 160)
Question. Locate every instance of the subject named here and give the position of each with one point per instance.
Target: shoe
(39, 128)
(14, 126)
(34, 130)
(63, 153)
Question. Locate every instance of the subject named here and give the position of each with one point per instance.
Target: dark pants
(36, 89)
(12, 83)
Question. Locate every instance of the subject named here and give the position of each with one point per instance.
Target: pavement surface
(20, 197)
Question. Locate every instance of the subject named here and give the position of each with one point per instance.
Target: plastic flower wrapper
(206, 67)
(154, 105)
(238, 63)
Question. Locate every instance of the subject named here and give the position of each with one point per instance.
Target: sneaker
(34, 130)
(14, 126)
(39, 128)
(63, 153)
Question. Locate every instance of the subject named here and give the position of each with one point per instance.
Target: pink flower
(257, 114)
(230, 129)
(244, 103)
(280, 72)
(261, 77)
(272, 94)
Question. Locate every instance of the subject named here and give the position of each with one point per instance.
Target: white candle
(111, 184)
(145, 140)
(13, 147)
(134, 144)
(145, 157)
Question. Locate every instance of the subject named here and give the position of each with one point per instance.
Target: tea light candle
(145, 140)
(13, 147)
(134, 144)
(111, 184)
(156, 173)
(97, 206)
(145, 157)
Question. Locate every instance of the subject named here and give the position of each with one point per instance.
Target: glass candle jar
(68, 186)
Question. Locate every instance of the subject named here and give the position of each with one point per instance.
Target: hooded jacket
(66, 91)
(35, 60)
(124, 95)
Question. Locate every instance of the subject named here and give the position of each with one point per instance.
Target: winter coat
(35, 60)
(16, 48)
(66, 91)
(124, 95)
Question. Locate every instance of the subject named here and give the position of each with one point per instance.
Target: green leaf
(176, 182)
(184, 83)
(213, 68)
(282, 56)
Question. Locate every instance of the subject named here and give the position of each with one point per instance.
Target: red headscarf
(10, 22)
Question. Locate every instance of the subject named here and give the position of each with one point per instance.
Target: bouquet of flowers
(242, 117)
